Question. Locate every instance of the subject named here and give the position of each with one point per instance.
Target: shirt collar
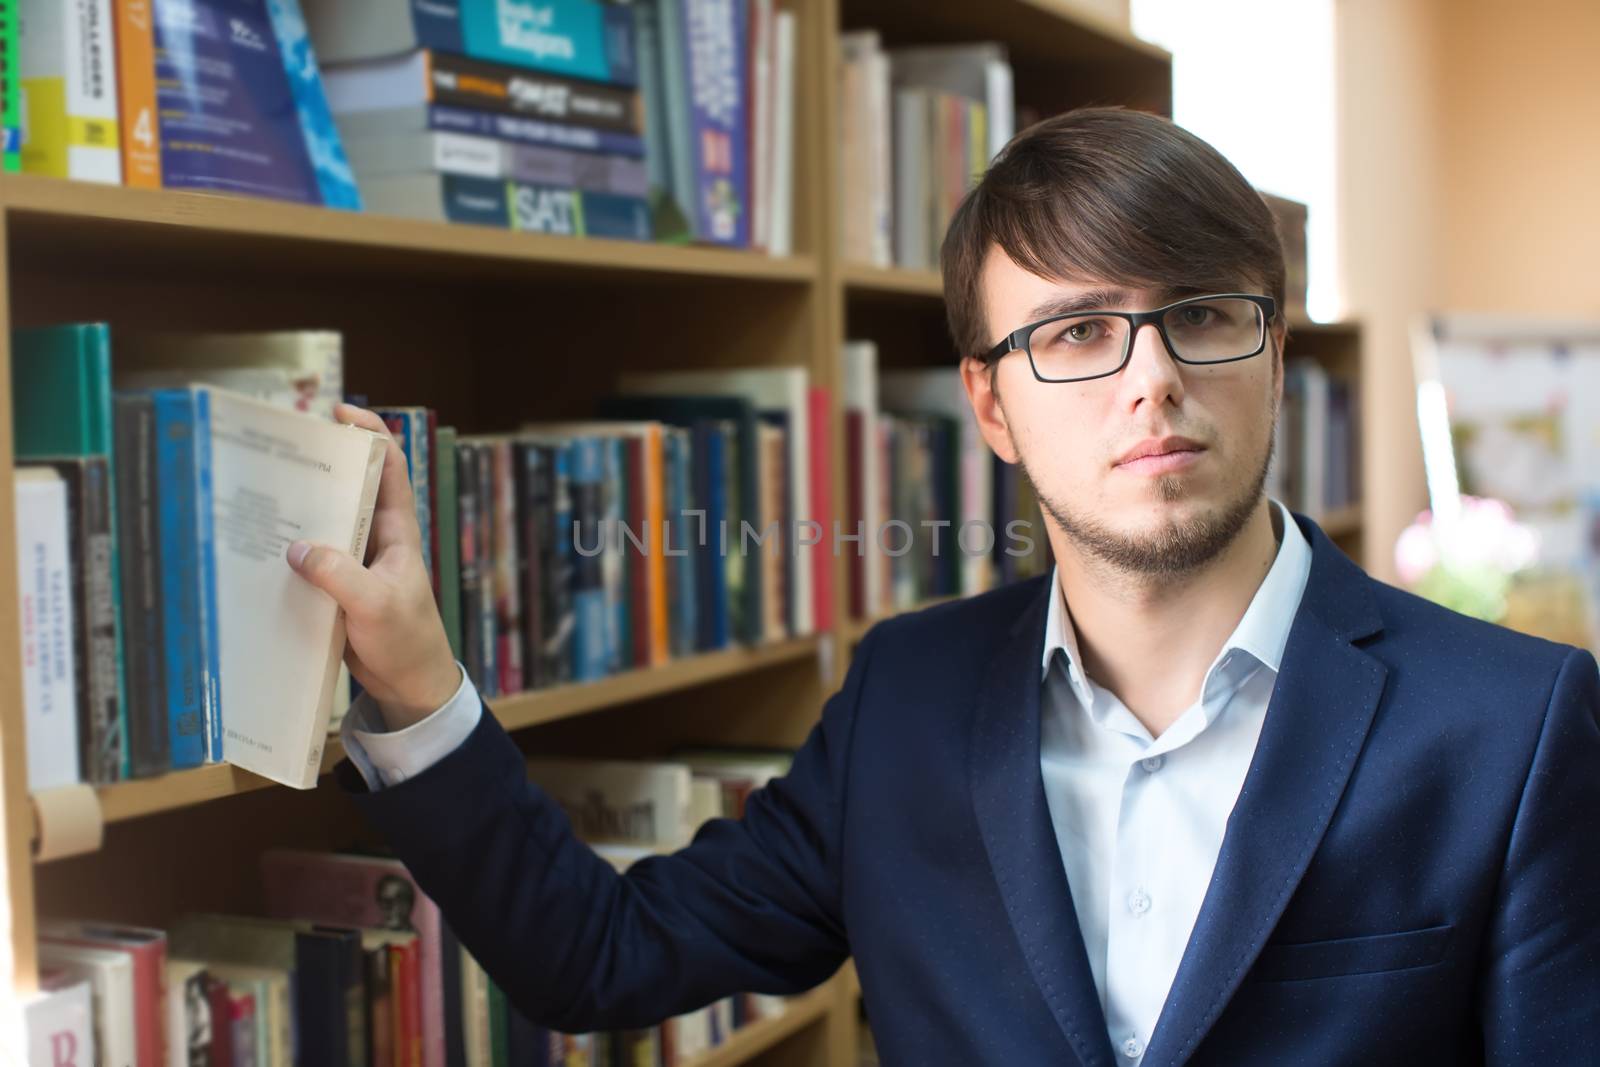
(1262, 632)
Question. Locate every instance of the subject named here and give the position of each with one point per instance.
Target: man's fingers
(335, 573)
(396, 511)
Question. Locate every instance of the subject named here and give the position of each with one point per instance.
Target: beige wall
(1470, 156)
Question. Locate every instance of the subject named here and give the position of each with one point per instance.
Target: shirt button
(1139, 902)
(1133, 1048)
(1153, 764)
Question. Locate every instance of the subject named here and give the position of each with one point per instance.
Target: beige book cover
(280, 476)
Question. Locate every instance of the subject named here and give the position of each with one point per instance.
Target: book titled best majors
(280, 476)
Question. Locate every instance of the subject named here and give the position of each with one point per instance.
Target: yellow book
(69, 90)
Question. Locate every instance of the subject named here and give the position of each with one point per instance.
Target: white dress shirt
(386, 757)
(1140, 820)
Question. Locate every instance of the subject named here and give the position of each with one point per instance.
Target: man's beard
(1177, 549)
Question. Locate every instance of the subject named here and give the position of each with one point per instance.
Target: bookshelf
(490, 328)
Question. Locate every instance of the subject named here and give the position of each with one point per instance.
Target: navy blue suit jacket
(1410, 874)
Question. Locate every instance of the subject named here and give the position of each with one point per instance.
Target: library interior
(602, 349)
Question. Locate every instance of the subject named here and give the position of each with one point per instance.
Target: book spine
(558, 636)
(534, 132)
(10, 92)
(638, 555)
(136, 85)
(590, 172)
(714, 32)
(575, 213)
(487, 505)
(432, 531)
(69, 89)
(475, 201)
(336, 182)
(576, 38)
(525, 463)
(44, 575)
(180, 577)
(467, 504)
(421, 460)
(140, 552)
(613, 562)
(655, 518)
(588, 591)
(459, 81)
(211, 638)
(507, 595)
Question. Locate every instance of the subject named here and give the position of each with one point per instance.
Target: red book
(855, 458)
(148, 947)
(820, 411)
(220, 1000)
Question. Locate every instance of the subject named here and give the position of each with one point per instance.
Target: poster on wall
(1509, 411)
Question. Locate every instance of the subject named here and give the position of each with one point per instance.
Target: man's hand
(395, 641)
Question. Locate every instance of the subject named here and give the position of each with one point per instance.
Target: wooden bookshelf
(491, 327)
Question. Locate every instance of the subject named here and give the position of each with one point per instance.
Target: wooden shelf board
(1061, 28)
(864, 281)
(751, 1040)
(180, 789)
(59, 218)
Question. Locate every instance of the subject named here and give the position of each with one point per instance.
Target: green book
(10, 91)
(448, 521)
(61, 406)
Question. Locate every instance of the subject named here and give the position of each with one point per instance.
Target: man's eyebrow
(1103, 299)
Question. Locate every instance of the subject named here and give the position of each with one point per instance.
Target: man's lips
(1161, 456)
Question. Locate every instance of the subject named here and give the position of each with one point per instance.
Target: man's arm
(1540, 987)
(750, 905)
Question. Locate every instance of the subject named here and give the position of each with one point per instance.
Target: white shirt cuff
(386, 757)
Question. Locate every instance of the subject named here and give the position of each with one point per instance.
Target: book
(283, 476)
(46, 626)
(110, 975)
(273, 1014)
(620, 800)
(780, 240)
(427, 76)
(382, 122)
(239, 107)
(513, 205)
(302, 370)
(139, 548)
(713, 38)
(136, 94)
(10, 93)
(146, 947)
(578, 38)
(94, 649)
(449, 524)
(67, 58)
(486, 157)
(59, 1020)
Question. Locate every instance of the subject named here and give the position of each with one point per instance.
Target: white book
(940, 391)
(913, 208)
(110, 977)
(279, 476)
(856, 52)
(780, 241)
(768, 389)
(880, 146)
(761, 15)
(860, 395)
(44, 588)
(68, 77)
(978, 71)
(60, 1024)
(190, 1028)
(1314, 444)
(620, 801)
(302, 370)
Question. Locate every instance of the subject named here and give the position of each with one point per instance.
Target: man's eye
(1196, 316)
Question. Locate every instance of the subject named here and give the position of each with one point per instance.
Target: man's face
(1161, 517)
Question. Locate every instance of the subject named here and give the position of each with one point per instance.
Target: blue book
(712, 42)
(182, 616)
(684, 531)
(204, 523)
(335, 180)
(577, 212)
(577, 38)
(613, 563)
(711, 576)
(591, 627)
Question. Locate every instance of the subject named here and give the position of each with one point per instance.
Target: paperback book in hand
(280, 476)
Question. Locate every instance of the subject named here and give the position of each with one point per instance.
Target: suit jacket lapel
(1008, 795)
(1321, 708)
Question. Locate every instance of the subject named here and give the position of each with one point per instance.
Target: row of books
(666, 120)
(670, 120)
(1317, 466)
(919, 126)
(157, 492)
(353, 963)
(152, 519)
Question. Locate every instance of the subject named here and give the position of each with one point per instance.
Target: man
(1206, 794)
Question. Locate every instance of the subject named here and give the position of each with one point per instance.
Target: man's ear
(979, 377)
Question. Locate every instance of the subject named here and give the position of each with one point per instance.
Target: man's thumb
(334, 572)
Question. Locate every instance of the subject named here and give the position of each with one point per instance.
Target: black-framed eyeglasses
(1083, 345)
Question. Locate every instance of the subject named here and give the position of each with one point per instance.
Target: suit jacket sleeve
(1540, 987)
(749, 905)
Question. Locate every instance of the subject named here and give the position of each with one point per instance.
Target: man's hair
(1112, 196)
